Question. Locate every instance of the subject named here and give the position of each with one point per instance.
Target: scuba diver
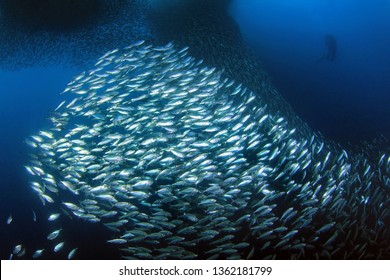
(331, 48)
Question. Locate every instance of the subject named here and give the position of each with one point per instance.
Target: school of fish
(180, 162)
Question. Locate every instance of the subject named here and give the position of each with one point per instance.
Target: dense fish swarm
(214, 37)
(72, 33)
(181, 162)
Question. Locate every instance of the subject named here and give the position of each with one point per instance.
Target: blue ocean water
(346, 99)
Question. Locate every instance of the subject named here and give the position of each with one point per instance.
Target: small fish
(290, 234)
(72, 254)
(21, 253)
(17, 249)
(117, 241)
(34, 216)
(71, 206)
(9, 220)
(54, 217)
(58, 247)
(326, 227)
(47, 198)
(54, 234)
(38, 253)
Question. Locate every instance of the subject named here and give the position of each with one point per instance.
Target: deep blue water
(346, 99)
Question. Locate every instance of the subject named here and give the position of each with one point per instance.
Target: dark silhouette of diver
(331, 48)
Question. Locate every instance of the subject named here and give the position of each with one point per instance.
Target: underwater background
(345, 99)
